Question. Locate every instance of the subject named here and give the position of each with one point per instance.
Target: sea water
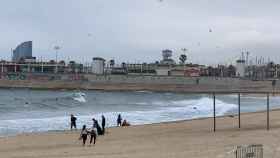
(26, 111)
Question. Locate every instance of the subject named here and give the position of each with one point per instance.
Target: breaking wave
(159, 111)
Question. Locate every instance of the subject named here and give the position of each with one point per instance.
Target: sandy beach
(165, 140)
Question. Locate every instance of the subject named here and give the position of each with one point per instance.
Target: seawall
(135, 83)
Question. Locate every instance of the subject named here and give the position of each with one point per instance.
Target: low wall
(121, 82)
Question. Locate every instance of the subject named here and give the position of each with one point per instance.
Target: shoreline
(192, 138)
(147, 124)
(218, 92)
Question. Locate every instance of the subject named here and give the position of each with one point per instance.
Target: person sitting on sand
(119, 120)
(84, 134)
(125, 123)
(73, 121)
(93, 135)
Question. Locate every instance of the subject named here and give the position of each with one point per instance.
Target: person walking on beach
(94, 123)
(97, 126)
(73, 122)
(84, 134)
(103, 123)
(119, 120)
(92, 136)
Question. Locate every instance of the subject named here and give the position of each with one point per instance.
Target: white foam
(143, 91)
(166, 111)
(80, 97)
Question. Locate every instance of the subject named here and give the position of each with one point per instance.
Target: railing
(251, 151)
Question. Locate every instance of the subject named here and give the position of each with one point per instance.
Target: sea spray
(166, 111)
(50, 110)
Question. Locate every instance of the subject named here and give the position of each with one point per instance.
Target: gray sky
(137, 30)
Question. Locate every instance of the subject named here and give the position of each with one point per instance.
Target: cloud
(131, 30)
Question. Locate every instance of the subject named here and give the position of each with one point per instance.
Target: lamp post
(184, 50)
(56, 48)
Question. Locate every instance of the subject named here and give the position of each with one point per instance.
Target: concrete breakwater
(137, 83)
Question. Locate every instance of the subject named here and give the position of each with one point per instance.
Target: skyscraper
(22, 52)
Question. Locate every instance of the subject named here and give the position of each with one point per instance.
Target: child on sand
(84, 134)
(92, 136)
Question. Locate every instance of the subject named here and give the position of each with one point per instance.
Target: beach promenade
(166, 140)
(134, 83)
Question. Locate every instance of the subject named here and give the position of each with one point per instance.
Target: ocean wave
(148, 92)
(175, 110)
(204, 104)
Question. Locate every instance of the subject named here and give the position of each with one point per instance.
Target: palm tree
(112, 62)
(231, 71)
(62, 62)
(52, 62)
(183, 58)
(72, 62)
(123, 65)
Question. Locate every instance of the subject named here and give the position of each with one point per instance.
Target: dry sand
(166, 140)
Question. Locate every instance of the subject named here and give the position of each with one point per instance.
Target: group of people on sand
(120, 123)
(96, 129)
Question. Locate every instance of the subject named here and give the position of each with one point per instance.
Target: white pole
(56, 48)
(2, 69)
(42, 67)
(28, 67)
(15, 67)
(56, 67)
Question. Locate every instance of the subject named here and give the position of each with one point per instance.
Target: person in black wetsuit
(97, 126)
(119, 120)
(73, 122)
(103, 123)
(84, 134)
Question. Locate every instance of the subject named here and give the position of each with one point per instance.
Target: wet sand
(166, 140)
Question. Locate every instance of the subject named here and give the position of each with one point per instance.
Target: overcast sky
(137, 30)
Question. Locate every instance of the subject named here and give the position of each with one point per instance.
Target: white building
(97, 66)
(240, 68)
(163, 70)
